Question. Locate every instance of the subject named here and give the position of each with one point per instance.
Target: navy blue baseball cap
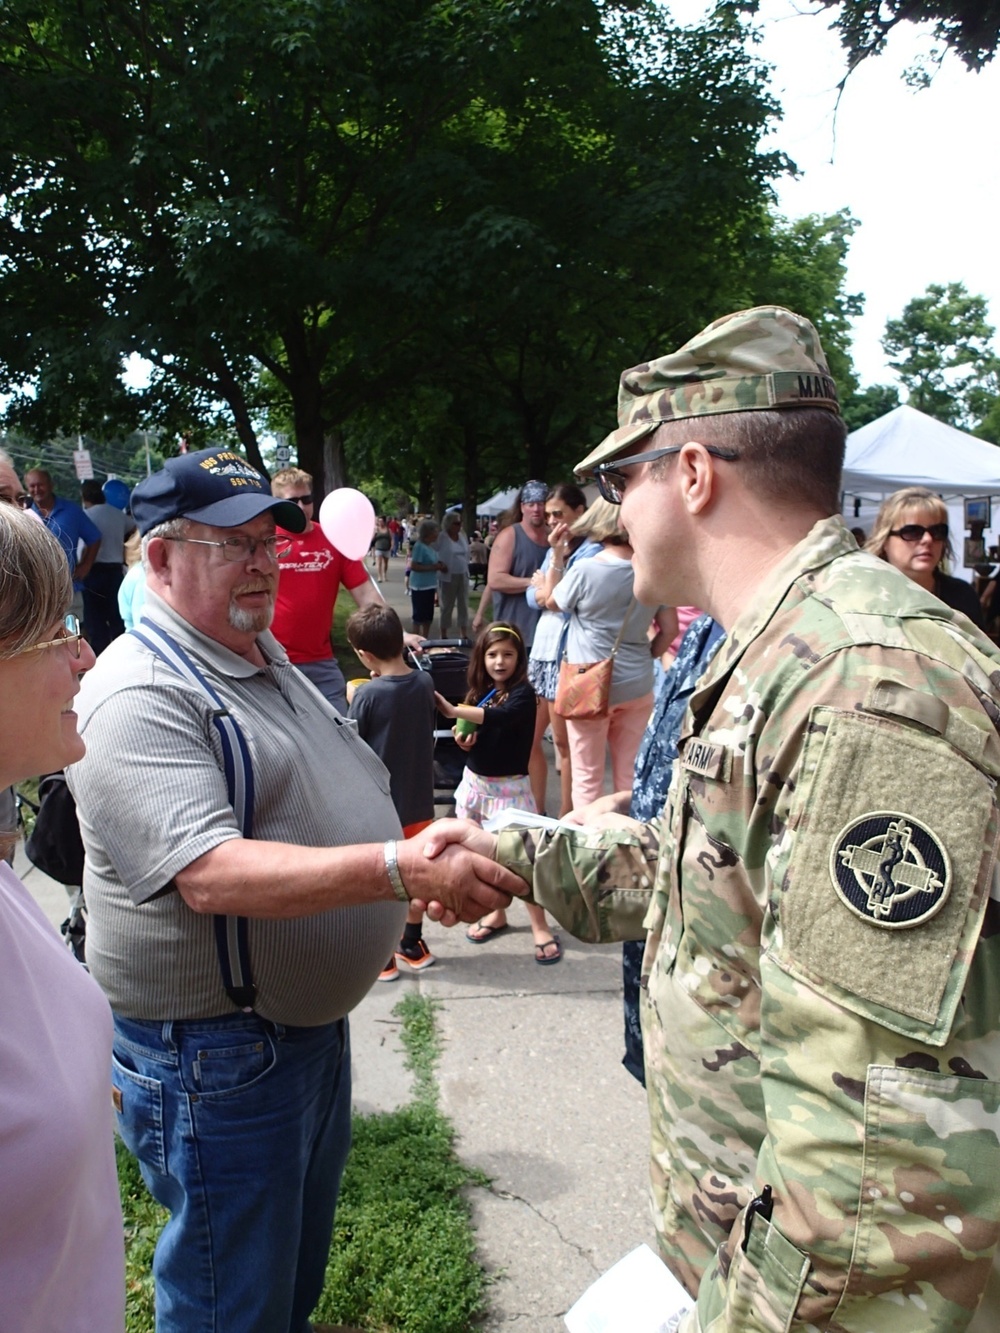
(212, 486)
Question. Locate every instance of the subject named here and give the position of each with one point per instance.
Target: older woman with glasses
(911, 533)
(61, 1245)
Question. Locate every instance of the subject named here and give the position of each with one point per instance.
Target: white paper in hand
(510, 817)
(639, 1294)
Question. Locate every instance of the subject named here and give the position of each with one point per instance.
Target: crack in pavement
(510, 1196)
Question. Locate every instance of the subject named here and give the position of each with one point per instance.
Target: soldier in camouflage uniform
(821, 972)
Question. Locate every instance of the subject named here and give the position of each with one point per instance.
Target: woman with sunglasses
(911, 533)
(62, 1254)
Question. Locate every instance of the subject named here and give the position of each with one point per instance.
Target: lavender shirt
(62, 1254)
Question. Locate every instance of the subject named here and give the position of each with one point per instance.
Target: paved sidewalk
(531, 1076)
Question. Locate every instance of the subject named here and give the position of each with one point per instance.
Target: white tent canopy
(909, 448)
(496, 504)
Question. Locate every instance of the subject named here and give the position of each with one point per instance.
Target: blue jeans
(242, 1128)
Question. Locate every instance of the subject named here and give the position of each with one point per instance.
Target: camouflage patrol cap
(767, 357)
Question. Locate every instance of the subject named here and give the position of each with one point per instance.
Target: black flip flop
(547, 961)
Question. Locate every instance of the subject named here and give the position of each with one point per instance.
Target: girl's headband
(503, 629)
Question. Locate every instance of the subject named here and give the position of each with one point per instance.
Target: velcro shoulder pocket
(886, 870)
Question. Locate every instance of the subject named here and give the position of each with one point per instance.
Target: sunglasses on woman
(913, 532)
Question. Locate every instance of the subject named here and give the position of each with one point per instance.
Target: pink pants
(622, 729)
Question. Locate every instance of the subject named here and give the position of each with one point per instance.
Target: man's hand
(415, 642)
(449, 872)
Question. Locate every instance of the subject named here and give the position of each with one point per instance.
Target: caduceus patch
(890, 869)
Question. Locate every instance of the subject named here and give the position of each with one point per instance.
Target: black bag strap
(231, 932)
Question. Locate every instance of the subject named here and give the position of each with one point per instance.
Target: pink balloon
(348, 521)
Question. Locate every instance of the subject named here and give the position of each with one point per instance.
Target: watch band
(392, 870)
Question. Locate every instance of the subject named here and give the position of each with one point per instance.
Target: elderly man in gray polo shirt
(245, 886)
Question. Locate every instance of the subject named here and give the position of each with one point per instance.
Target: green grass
(403, 1255)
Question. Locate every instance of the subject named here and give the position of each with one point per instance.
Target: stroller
(448, 664)
(55, 847)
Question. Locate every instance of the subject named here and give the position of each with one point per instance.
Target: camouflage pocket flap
(892, 838)
(766, 1281)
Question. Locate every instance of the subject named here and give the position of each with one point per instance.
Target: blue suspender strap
(231, 932)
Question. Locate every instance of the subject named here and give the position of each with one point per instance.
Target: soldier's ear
(696, 476)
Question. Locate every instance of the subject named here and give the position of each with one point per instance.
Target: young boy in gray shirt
(395, 716)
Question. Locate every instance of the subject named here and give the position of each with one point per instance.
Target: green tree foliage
(422, 237)
(941, 349)
(502, 203)
(802, 264)
(971, 28)
(869, 404)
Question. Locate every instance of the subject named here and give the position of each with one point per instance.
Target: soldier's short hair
(756, 380)
(792, 456)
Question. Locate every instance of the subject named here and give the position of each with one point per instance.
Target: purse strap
(564, 638)
(631, 607)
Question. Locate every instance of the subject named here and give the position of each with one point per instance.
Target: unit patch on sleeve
(890, 869)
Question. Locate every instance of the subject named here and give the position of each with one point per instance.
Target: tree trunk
(470, 479)
(334, 472)
(439, 495)
(232, 391)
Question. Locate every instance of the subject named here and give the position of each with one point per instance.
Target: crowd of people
(800, 843)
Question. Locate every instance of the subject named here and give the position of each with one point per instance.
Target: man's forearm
(507, 583)
(86, 562)
(275, 880)
(247, 877)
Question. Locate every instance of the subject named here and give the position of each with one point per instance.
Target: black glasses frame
(914, 532)
(609, 476)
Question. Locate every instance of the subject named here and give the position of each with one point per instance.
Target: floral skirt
(543, 677)
(478, 798)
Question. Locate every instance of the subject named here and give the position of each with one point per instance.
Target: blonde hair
(35, 586)
(290, 476)
(892, 515)
(601, 522)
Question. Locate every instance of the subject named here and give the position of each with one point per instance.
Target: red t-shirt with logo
(310, 578)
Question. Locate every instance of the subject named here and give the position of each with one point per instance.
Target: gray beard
(250, 622)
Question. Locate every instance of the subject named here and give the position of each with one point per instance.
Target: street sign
(84, 467)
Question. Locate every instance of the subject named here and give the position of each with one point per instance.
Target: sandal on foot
(484, 932)
(547, 959)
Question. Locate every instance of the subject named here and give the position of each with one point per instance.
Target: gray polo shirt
(152, 798)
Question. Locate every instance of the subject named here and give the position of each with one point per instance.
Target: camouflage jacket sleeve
(597, 884)
(860, 1095)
